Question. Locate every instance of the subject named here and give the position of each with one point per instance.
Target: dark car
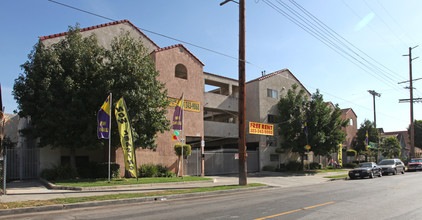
(414, 164)
(392, 166)
(369, 169)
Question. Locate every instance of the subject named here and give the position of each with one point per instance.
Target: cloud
(365, 21)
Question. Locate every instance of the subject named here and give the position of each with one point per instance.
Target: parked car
(392, 166)
(414, 164)
(368, 169)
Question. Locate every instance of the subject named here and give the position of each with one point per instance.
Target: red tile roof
(276, 73)
(178, 45)
(100, 26)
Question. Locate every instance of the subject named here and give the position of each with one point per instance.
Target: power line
(213, 51)
(316, 32)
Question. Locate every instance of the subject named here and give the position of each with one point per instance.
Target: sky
(343, 48)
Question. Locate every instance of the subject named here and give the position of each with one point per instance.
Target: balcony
(221, 129)
(222, 102)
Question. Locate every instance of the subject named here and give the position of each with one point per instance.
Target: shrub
(294, 166)
(100, 170)
(151, 170)
(315, 165)
(283, 167)
(187, 150)
(148, 170)
(58, 172)
(268, 168)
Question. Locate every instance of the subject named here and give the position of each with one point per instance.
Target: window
(272, 93)
(181, 71)
(272, 119)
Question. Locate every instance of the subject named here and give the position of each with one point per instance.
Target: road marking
(285, 213)
(397, 187)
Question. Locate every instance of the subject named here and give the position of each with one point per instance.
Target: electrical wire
(313, 33)
(316, 32)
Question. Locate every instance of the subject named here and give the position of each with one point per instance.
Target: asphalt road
(388, 197)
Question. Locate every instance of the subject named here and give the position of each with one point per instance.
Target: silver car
(392, 166)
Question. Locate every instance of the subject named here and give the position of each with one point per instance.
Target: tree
(390, 147)
(323, 123)
(359, 142)
(134, 77)
(324, 126)
(63, 86)
(291, 118)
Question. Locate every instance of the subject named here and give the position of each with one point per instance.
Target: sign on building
(188, 105)
(261, 128)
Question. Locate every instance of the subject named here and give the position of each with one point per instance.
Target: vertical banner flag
(366, 141)
(126, 140)
(340, 155)
(178, 114)
(103, 120)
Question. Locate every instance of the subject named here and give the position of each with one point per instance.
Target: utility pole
(373, 93)
(242, 95)
(412, 126)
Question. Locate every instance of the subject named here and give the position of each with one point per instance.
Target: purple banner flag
(178, 114)
(103, 119)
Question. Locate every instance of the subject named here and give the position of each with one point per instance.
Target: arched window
(181, 71)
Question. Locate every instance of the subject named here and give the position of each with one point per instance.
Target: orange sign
(260, 128)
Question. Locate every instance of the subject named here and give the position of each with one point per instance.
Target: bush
(58, 172)
(100, 170)
(315, 166)
(151, 170)
(187, 150)
(294, 166)
(268, 168)
(350, 165)
(283, 167)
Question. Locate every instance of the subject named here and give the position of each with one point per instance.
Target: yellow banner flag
(126, 140)
(340, 155)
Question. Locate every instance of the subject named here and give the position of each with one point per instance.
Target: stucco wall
(105, 35)
(258, 106)
(192, 87)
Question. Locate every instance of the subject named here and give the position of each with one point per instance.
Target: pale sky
(370, 37)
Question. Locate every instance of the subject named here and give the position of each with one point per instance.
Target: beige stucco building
(262, 97)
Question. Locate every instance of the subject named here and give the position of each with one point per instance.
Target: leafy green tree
(291, 118)
(390, 147)
(359, 142)
(63, 86)
(324, 124)
(133, 76)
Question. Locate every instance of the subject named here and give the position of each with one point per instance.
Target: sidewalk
(35, 190)
(20, 191)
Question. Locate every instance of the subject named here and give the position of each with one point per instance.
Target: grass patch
(336, 177)
(131, 181)
(61, 201)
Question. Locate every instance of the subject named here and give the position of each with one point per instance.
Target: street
(388, 197)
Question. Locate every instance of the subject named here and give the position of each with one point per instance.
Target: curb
(122, 201)
(52, 186)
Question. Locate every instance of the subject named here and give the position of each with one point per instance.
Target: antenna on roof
(263, 73)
